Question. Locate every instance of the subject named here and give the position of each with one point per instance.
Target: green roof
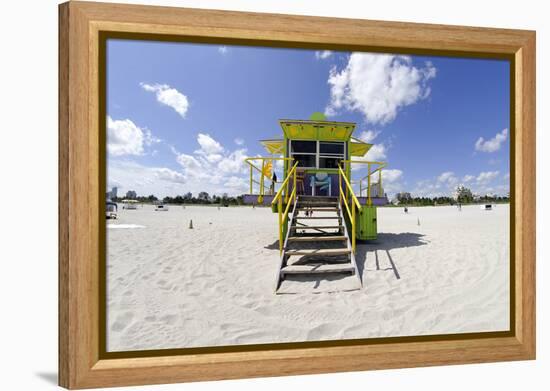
(317, 130)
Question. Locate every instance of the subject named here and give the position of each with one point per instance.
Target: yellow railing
(371, 172)
(289, 200)
(262, 169)
(353, 201)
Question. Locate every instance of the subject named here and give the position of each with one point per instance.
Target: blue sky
(182, 117)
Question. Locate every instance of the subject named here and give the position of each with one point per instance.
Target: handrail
(354, 203)
(348, 185)
(285, 182)
(261, 182)
(368, 177)
(283, 215)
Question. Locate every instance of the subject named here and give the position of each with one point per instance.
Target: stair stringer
(283, 255)
(348, 244)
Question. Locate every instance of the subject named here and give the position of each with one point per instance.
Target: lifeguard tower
(321, 210)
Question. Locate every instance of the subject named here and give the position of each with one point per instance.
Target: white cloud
(130, 175)
(368, 136)
(124, 137)
(210, 149)
(427, 188)
(445, 184)
(223, 49)
(468, 178)
(191, 166)
(323, 54)
(169, 175)
(236, 183)
(493, 144)
(208, 144)
(233, 163)
(506, 176)
(169, 96)
(391, 181)
(213, 168)
(487, 176)
(378, 85)
(391, 175)
(280, 164)
(448, 178)
(376, 153)
(238, 141)
(442, 185)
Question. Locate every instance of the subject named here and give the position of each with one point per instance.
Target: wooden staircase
(317, 243)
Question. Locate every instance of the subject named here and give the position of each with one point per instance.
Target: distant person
(459, 207)
(273, 181)
(406, 210)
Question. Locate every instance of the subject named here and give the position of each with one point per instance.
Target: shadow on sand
(273, 246)
(385, 243)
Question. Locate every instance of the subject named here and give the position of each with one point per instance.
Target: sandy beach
(435, 270)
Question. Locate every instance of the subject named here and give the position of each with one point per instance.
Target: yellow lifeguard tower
(316, 188)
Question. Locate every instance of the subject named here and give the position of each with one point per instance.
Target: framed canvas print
(248, 195)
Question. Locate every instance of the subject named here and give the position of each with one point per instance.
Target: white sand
(174, 287)
(124, 226)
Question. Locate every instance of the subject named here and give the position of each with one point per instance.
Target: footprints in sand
(169, 319)
(122, 321)
(148, 276)
(167, 270)
(325, 331)
(164, 284)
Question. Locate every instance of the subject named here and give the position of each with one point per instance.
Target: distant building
(131, 195)
(112, 194)
(376, 190)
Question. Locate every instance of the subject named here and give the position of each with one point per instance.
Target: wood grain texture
(525, 186)
(80, 222)
(63, 220)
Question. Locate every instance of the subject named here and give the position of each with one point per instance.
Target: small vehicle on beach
(111, 209)
(129, 204)
(161, 208)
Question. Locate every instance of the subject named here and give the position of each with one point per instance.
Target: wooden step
(318, 269)
(329, 252)
(317, 217)
(316, 226)
(317, 198)
(317, 203)
(316, 238)
(317, 209)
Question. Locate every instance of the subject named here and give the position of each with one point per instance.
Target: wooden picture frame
(82, 27)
